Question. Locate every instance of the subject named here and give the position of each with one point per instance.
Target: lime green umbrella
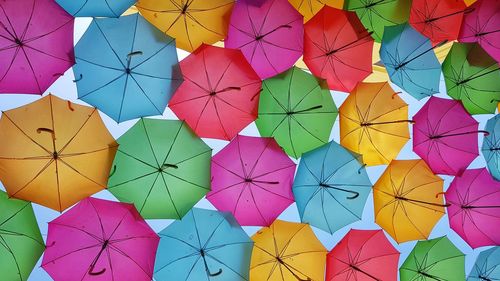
(161, 167)
(297, 110)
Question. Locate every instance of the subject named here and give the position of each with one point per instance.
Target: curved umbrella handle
(214, 274)
(112, 172)
(360, 168)
(78, 79)
(91, 271)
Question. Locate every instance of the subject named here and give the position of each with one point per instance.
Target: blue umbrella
(96, 8)
(331, 187)
(491, 146)
(126, 67)
(487, 266)
(204, 245)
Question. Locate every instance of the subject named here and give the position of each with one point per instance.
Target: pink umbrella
(474, 207)
(252, 178)
(270, 35)
(36, 45)
(100, 240)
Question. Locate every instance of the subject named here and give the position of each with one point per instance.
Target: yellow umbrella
(287, 251)
(308, 8)
(54, 153)
(408, 200)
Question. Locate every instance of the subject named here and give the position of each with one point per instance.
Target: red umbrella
(219, 95)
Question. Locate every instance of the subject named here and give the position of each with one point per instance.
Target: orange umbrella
(310, 7)
(54, 153)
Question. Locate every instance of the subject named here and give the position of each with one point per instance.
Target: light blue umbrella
(126, 67)
(331, 187)
(487, 266)
(96, 8)
(204, 245)
(491, 146)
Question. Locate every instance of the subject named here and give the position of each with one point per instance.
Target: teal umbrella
(487, 266)
(96, 8)
(491, 146)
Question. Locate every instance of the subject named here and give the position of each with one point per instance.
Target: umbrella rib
(108, 255)
(13, 34)
(170, 196)
(72, 252)
(84, 153)
(119, 251)
(98, 239)
(77, 132)
(14, 214)
(212, 234)
(81, 7)
(283, 250)
(347, 209)
(209, 9)
(101, 87)
(239, 176)
(296, 121)
(290, 136)
(220, 120)
(109, 7)
(146, 95)
(221, 262)
(100, 65)
(152, 56)
(137, 159)
(273, 171)
(197, 185)
(258, 159)
(303, 98)
(187, 31)
(109, 44)
(149, 192)
(78, 172)
(172, 145)
(7, 247)
(196, 229)
(182, 241)
(99, 218)
(257, 207)
(45, 53)
(31, 67)
(261, 45)
(227, 244)
(274, 98)
(149, 141)
(214, 192)
(174, 261)
(188, 14)
(36, 176)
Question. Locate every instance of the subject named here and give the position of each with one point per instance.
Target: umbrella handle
(360, 168)
(396, 93)
(78, 79)
(91, 271)
(440, 193)
(202, 253)
(112, 172)
(136, 53)
(40, 130)
(214, 274)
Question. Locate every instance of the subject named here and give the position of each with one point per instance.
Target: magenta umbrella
(252, 178)
(270, 35)
(100, 240)
(474, 207)
(36, 45)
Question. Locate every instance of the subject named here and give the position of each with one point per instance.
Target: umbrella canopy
(487, 266)
(126, 67)
(405, 201)
(219, 95)
(297, 111)
(374, 123)
(204, 245)
(338, 48)
(410, 61)
(96, 8)
(271, 44)
(491, 146)
(100, 240)
(435, 259)
(309, 8)
(162, 167)
(331, 187)
(252, 178)
(287, 251)
(20, 239)
(54, 153)
(36, 45)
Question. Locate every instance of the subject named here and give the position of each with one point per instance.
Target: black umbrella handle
(202, 253)
(354, 196)
(96, 259)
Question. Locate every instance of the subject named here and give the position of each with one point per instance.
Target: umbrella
(297, 111)
(54, 153)
(162, 167)
(126, 67)
(204, 245)
(363, 255)
(219, 95)
(331, 187)
(491, 146)
(20, 239)
(191, 22)
(405, 201)
(272, 44)
(472, 76)
(309, 8)
(36, 45)
(374, 123)
(474, 207)
(100, 240)
(252, 178)
(436, 259)
(96, 8)
(487, 266)
(445, 136)
(287, 251)
(410, 61)
(338, 48)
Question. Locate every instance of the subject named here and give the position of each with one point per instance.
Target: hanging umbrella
(338, 48)
(272, 44)
(96, 8)
(126, 67)
(331, 187)
(472, 76)
(435, 259)
(54, 153)
(374, 123)
(162, 167)
(410, 61)
(20, 239)
(190, 22)
(363, 255)
(100, 240)
(445, 136)
(310, 8)
(405, 201)
(491, 146)
(487, 266)
(287, 251)
(204, 245)
(219, 95)
(297, 111)
(252, 178)
(36, 45)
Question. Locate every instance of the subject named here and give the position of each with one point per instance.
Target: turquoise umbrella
(491, 146)
(96, 8)
(487, 266)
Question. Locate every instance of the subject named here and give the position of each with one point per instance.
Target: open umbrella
(331, 187)
(219, 95)
(54, 153)
(126, 67)
(297, 111)
(309, 8)
(96, 8)
(252, 178)
(487, 266)
(204, 245)
(36, 45)
(162, 167)
(491, 146)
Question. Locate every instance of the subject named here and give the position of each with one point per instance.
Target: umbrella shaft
(388, 122)
(480, 207)
(429, 276)
(419, 55)
(444, 16)
(459, 134)
(292, 272)
(484, 278)
(96, 259)
(477, 76)
(422, 202)
(488, 32)
(348, 44)
(364, 272)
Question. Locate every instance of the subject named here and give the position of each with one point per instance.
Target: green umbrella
(162, 167)
(21, 243)
(472, 76)
(434, 260)
(297, 110)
